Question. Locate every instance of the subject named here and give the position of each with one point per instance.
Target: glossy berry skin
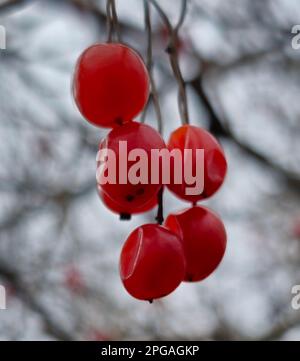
(110, 85)
(203, 238)
(132, 196)
(152, 263)
(122, 210)
(215, 165)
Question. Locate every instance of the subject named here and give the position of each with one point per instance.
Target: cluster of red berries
(111, 87)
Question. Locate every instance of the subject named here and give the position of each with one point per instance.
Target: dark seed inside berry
(140, 192)
(119, 121)
(129, 198)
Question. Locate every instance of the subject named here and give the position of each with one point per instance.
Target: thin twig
(160, 210)
(53, 327)
(154, 94)
(109, 21)
(163, 15)
(10, 4)
(182, 16)
(173, 56)
(115, 20)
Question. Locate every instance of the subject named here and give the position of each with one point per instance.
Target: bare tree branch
(6, 5)
(220, 129)
(52, 327)
(281, 328)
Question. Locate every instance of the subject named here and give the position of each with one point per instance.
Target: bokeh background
(59, 246)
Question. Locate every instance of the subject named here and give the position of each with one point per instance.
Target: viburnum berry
(215, 165)
(122, 210)
(111, 84)
(152, 263)
(127, 195)
(203, 237)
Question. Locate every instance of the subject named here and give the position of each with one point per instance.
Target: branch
(281, 328)
(182, 16)
(220, 129)
(95, 11)
(24, 294)
(62, 198)
(11, 4)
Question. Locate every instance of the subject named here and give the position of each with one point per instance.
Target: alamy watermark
(153, 168)
(2, 37)
(296, 298)
(2, 298)
(296, 38)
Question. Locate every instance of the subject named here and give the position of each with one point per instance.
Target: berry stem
(160, 212)
(154, 93)
(115, 20)
(125, 217)
(112, 21)
(173, 56)
(109, 21)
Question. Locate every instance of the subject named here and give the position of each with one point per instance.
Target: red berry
(138, 136)
(122, 210)
(203, 238)
(215, 166)
(152, 263)
(74, 280)
(111, 84)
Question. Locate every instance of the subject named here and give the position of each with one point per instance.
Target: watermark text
(296, 38)
(160, 166)
(2, 37)
(2, 298)
(296, 299)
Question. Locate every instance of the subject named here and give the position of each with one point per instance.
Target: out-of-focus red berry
(97, 335)
(130, 196)
(203, 237)
(152, 263)
(111, 84)
(73, 279)
(215, 165)
(296, 228)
